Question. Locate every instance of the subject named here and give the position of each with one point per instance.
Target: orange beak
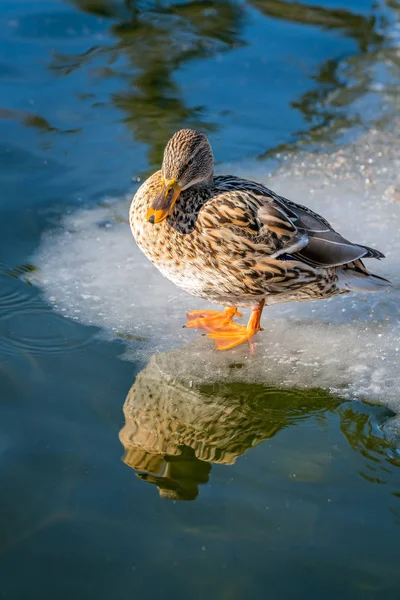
(164, 203)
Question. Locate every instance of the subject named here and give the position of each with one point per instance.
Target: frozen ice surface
(93, 272)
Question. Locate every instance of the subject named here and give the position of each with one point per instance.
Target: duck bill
(164, 203)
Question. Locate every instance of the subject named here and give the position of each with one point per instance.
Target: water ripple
(14, 291)
(36, 330)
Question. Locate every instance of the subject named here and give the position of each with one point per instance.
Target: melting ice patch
(93, 272)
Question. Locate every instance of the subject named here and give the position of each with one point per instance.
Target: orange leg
(212, 320)
(234, 334)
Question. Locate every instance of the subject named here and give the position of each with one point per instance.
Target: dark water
(288, 494)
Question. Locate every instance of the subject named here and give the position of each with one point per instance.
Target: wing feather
(278, 227)
(326, 247)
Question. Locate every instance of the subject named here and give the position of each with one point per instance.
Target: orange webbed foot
(233, 334)
(212, 320)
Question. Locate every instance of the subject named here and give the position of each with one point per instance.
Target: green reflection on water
(362, 29)
(156, 39)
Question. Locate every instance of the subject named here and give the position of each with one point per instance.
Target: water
(272, 474)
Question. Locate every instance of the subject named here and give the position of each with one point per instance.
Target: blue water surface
(296, 495)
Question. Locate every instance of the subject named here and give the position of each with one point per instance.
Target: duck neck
(204, 183)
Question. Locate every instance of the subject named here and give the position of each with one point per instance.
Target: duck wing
(278, 226)
(253, 221)
(325, 246)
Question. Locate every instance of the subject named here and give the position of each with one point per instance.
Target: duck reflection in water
(178, 423)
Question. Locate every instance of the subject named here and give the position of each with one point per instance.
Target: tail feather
(354, 277)
(373, 253)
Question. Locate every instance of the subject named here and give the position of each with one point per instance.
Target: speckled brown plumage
(235, 242)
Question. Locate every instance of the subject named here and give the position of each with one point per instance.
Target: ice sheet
(91, 271)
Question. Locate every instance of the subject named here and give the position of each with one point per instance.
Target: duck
(236, 243)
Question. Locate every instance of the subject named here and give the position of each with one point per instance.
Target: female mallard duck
(237, 243)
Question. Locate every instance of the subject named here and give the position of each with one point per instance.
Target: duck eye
(190, 161)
